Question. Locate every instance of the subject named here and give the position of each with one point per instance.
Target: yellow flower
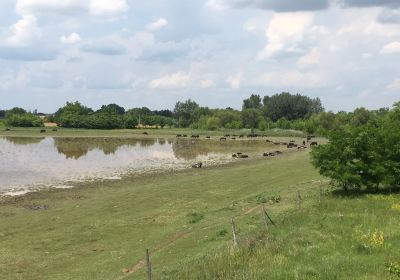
(396, 206)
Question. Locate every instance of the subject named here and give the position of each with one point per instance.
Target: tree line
(283, 111)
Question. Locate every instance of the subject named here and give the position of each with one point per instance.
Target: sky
(217, 52)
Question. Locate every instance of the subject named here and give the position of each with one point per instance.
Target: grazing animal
(145, 133)
(239, 153)
(243, 156)
(290, 145)
(7, 129)
(184, 135)
(304, 142)
(313, 143)
(54, 129)
(234, 155)
(179, 135)
(233, 138)
(227, 135)
(197, 165)
(222, 139)
(42, 130)
(208, 137)
(241, 136)
(195, 136)
(268, 141)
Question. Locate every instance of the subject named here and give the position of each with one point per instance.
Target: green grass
(101, 230)
(341, 238)
(170, 132)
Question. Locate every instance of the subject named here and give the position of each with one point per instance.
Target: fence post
(235, 243)
(148, 265)
(298, 200)
(263, 217)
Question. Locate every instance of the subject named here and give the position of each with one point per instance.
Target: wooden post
(235, 243)
(148, 265)
(320, 195)
(298, 200)
(264, 218)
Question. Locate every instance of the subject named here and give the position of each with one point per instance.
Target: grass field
(101, 230)
(166, 132)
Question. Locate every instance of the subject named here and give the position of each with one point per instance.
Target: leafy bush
(363, 155)
(23, 120)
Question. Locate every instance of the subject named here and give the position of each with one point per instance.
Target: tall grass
(341, 238)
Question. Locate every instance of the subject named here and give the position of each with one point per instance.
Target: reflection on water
(27, 163)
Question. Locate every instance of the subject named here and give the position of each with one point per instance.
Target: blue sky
(217, 52)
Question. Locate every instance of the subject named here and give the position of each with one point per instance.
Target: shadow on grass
(353, 193)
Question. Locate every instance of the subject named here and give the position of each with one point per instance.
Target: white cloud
(393, 47)
(285, 79)
(107, 7)
(208, 83)
(172, 81)
(158, 24)
(289, 33)
(72, 7)
(311, 58)
(394, 86)
(234, 81)
(25, 31)
(72, 38)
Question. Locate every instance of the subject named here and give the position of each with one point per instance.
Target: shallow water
(28, 164)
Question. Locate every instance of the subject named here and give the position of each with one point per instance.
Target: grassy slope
(97, 231)
(94, 232)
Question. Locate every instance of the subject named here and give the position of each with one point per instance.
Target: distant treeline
(284, 111)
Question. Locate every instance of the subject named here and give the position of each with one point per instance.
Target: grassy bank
(98, 230)
(101, 230)
(166, 132)
(341, 238)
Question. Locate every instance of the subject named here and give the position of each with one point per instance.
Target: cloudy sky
(153, 53)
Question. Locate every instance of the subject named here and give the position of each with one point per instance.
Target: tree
(112, 109)
(184, 112)
(251, 118)
(253, 102)
(291, 107)
(16, 110)
(23, 120)
(363, 155)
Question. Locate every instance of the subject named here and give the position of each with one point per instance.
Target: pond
(28, 164)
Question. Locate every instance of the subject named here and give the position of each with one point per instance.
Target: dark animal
(195, 136)
(304, 142)
(222, 139)
(7, 129)
(227, 135)
(42, 130)
(197, 165)
(184, 135)
(233, 138)
(179, 135)
(145, 133)
(208, 137)
(290, 145)
(234, 155)
(243, 156)
(268, 141)
(241, 136)
(54, 129)
(313, 144)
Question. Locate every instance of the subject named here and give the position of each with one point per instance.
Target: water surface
(28, 164)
